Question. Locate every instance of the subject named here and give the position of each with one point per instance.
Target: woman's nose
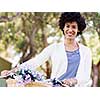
(70, 29)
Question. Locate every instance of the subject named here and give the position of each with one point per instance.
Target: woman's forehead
(71, 23)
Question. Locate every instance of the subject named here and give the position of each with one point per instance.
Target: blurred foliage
(92, 34)
(28, 32)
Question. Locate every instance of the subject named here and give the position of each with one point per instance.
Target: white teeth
(70, 34)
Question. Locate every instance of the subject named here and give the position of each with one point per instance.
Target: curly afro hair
(70, 17)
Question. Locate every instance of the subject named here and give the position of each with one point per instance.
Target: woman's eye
(74, 27)
(67, 26)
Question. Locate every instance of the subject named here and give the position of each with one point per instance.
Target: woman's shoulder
(55, 46)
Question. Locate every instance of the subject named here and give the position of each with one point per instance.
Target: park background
(49, 6)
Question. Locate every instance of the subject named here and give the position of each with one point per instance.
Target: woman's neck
(70, 45)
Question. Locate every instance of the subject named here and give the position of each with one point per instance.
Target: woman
(71, 61)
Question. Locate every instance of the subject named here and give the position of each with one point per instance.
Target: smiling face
(70, 30)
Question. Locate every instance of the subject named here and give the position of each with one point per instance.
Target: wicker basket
(37, 84)
(12, 83)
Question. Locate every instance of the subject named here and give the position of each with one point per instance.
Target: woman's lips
(70, 34)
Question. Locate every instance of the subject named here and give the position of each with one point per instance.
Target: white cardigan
(59, 60)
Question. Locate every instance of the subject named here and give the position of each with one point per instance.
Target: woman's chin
(70, 37)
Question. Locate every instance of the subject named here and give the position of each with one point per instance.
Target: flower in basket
(26, 76)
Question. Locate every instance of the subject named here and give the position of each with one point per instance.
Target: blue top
(73, 64)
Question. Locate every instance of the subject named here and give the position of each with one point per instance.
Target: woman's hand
(5, 72)
(70, 82)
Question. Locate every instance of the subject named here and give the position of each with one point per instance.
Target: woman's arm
(34, 62)
(39, 59)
